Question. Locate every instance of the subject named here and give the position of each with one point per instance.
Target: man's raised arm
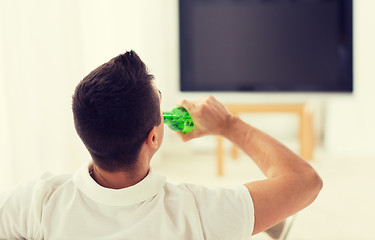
(291, 184)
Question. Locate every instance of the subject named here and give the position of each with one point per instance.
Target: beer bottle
(178, 119)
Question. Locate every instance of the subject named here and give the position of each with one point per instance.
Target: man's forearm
(272, 157)
(292, 183)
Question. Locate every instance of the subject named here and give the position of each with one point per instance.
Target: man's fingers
(186, 104)
(188, 136)
(183, 136)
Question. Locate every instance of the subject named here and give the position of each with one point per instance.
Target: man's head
(115, 108)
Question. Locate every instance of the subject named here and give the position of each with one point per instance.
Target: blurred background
(48, 46)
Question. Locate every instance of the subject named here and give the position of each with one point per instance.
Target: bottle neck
(168, 115)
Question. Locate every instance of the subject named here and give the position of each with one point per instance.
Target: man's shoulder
(45, 181)
(184, 187)
(52, 181)
(201, 191)
(38, 189)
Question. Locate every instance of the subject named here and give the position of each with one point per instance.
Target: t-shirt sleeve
(14, 208)
(20, 210)
(225, 213)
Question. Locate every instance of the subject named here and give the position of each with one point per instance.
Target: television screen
(266, 45)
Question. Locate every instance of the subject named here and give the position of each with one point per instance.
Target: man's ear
(152, 138)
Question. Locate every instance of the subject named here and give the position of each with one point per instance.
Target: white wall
(46, 48)
(350, 128)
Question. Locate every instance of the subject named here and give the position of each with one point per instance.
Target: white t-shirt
(76, 207)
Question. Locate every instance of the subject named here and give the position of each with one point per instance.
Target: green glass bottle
(179, 120)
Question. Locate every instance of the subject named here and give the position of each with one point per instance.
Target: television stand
(306, 131)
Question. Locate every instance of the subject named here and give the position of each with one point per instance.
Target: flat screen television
(266, 45)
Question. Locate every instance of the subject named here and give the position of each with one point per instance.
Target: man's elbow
(314, 184)
(318, 183)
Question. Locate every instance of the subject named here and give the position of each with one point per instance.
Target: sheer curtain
(46, 48)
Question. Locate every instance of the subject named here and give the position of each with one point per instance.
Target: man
(117, 196)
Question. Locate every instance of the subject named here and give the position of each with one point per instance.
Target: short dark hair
(114, 108)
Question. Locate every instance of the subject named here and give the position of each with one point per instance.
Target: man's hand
(210, 117)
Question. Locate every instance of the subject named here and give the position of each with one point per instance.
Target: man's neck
(117, 180)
